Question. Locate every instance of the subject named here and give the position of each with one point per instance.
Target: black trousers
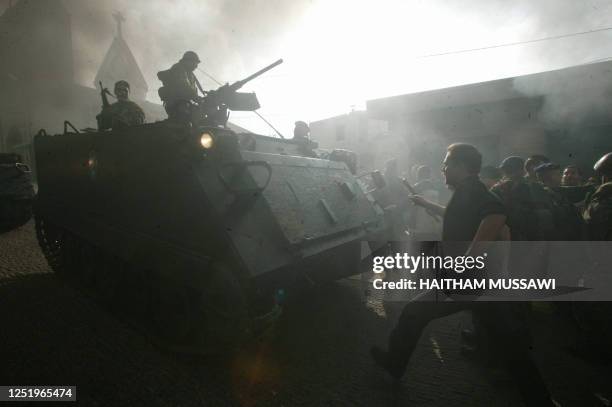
(506, 327)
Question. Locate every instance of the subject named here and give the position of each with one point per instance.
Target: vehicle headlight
(207, 141)
(92, 164)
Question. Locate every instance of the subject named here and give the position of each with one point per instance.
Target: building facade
(354, 131)
(565, 114)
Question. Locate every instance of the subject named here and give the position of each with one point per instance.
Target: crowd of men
(521, 199)
(543, 201)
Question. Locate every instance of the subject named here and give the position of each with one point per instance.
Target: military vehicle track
(173, 315)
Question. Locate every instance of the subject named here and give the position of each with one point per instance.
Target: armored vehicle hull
(195, 230)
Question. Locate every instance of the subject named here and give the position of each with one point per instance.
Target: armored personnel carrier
(16, 192)
(194, 230)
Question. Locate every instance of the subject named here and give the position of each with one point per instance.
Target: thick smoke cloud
(560, 105)
(231, 37)
(339, 53)
(573, 99)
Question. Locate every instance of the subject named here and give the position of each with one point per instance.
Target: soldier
(595, 318)
(572, 176)
(301, 135)
(472, 217)
(531, 163)
(301, 131)
(574, 188)
(123, 112)
(598, 212)
(567, 220)
(514, 190)
(180, 87)
(530, 218)
(548, 174)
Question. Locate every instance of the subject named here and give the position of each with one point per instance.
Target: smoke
(578, 95)
(340, 53)
(232, 37)
(571, 97)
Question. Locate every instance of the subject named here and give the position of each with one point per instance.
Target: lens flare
(207, 141)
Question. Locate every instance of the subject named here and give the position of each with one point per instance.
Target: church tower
(120, 64)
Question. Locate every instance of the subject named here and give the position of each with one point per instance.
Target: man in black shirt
(473, 214)
(473, 217)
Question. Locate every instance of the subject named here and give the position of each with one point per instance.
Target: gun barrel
(239, 84)
(103, 93)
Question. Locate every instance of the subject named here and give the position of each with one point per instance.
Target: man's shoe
(382, 359)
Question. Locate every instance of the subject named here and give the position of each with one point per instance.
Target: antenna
(210, 76)
(268, 123)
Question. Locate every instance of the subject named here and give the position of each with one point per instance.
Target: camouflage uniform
(120, 114)
(598, 213)
(530, 218)
(595, 318)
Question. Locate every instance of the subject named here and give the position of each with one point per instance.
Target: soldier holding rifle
(122, 113)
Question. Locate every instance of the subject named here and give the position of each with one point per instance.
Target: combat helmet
(604, 165)
(122, 84)
(191, 56)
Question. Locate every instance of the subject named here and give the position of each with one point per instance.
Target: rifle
(104, 92)
(414, 192)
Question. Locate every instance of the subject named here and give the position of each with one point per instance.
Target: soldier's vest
(171, 90)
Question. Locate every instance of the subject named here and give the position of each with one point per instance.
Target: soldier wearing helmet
(595, 318)
(301, 136)
(301, 130)
(180, 87)
(123, 112)
(598, 212)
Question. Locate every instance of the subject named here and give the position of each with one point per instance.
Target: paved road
(317, 356)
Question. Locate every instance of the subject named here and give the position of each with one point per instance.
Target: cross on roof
(119, 19)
